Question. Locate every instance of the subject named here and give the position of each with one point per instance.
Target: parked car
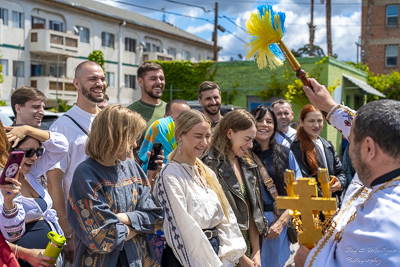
(194, 104)
(7, 117)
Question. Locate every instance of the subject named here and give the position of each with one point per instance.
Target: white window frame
(4, 15)
(18, 68)
(83, 33)
(391, 16)
(130, 44)
(4, 65)
(107, 39)
(130, 81)
(18, 19)
(110, 78)
(391, 52)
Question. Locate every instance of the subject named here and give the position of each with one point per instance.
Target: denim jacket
(231, 187)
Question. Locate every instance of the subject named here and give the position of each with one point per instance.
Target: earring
(180, 146)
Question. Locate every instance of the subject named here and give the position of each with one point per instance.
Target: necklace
(338, 235)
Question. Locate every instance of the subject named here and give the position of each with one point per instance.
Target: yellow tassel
(263, 35)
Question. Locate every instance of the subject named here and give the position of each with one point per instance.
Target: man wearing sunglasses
(90, 83)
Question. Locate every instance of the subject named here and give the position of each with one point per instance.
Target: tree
(312, 31)
(98, 56)
(305, 51)
(328, 26)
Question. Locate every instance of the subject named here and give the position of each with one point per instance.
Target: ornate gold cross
(303, 200)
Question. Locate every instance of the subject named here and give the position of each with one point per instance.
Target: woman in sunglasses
(26, 215)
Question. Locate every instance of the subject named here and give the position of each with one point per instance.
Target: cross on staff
(308, 204)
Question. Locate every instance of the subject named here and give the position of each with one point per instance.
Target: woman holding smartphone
(27, 215)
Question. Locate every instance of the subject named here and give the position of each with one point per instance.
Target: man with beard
(151, 80)
(90, 82)
(209, 97)
(284, 114)
(365, 231)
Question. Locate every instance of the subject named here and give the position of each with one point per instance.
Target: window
(4, 15)
(107, 39)
(147, 48)
(53, 71)
(155, 48)
(171, 51)
(130, 44)
(18, 19)
(84, 34)
(130, 81)
(18, 68)
(110, 78)
(392, 15)
(38, 69)
(38, 23)
(186, 55)
(391, 55)
(4, 66)
(56, 25)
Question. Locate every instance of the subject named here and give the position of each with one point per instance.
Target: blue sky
(190, 15)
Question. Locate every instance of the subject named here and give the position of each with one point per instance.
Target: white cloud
(201, 28)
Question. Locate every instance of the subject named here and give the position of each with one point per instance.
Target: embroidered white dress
(367, 228)
(189, 208)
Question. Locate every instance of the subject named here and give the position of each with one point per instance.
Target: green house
(246, 80)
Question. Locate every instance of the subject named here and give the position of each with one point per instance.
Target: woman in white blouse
(26, 215)
(199, 226)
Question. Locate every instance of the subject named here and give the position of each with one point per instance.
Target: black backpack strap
(77, 124)
(285, 136)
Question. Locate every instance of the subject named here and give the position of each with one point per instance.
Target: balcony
(46, 41)
(48, 85)
(157, 56)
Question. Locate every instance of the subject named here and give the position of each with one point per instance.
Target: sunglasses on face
(30, 152)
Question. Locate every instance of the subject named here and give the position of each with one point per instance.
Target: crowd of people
(211, 201)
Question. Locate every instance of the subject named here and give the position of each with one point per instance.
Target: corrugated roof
(131, 17)
(364, 86)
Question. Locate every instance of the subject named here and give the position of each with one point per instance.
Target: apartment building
(385, 35)
(42, 41)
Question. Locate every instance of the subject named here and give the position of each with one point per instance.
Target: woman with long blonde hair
(228, 156)
(200, 227)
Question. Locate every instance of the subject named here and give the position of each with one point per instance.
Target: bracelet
(11, 211)
(70, 236)
(16, 251)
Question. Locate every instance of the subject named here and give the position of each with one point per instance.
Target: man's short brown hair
(281, 102)
(147, 66)
(207, 85)
(25, 94)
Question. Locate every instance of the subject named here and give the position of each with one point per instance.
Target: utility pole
(216, 33)
(358, 46)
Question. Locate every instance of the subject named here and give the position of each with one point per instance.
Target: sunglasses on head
(30, 152)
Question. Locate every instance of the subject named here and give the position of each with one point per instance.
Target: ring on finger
(13, 186)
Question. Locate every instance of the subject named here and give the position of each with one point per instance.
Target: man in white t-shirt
(90, 82)
(284, 114)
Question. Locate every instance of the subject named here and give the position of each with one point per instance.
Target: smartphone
(12, 165)
(157, 147)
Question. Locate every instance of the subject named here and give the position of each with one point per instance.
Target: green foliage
(98, 57)
(62, 107)
(3, 103)
(388, 84)
(185, 77)
(291, 87)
